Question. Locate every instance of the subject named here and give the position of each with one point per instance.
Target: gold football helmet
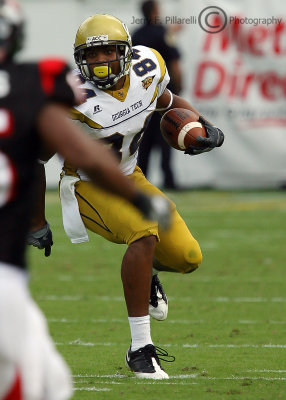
(103, 30)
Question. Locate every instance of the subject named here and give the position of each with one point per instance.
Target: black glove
(156, 208)
(214, 138)
(42, 238)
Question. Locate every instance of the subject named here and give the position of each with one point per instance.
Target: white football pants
(26, 348)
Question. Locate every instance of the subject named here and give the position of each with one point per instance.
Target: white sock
(140, 332)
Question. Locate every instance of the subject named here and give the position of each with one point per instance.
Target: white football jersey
(120, 116)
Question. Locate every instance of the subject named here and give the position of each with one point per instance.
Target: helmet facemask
(101, 73)
(103, 30)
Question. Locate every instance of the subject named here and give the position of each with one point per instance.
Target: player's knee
(184, 258)
(142, 248)
(147, 243)
(193, 258)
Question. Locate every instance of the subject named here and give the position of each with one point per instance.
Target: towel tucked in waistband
(73, 224)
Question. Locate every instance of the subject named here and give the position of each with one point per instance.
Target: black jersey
(24, 90)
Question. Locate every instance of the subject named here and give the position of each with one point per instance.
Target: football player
(124, 86)
(34, 101)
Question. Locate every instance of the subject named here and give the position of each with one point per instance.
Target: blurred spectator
(155, 35)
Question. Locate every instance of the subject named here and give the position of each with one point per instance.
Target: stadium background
(236, 78)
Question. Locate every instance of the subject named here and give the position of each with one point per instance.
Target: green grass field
(226, 323)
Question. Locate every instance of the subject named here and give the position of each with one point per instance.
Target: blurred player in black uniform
(34, 99)
(155, 35)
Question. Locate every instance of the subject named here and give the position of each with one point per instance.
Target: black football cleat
(145, 362)
(158, 303)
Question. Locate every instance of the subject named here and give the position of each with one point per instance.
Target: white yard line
(53, 297)
(141, 382)
(276, 371)
(238, 346)
(120, 376)
(178, 299)
(93, 389)
(163, 382)
(119, 320)
(168, 321)
(201, 279)
(79, 342)
(241, 378)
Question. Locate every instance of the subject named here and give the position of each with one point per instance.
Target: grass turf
(226, 323)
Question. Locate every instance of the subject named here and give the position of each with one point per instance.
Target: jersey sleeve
(57, 82)
(164, 78)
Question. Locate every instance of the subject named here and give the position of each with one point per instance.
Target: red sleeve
(53, 77)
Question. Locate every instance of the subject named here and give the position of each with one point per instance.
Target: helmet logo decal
(98, 38)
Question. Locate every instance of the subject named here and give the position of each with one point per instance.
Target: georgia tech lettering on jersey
(120, 117)
(122, 113)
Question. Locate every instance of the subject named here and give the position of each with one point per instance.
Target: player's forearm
(38, 217)
(176, 76)
(179, 102)
(93, 157)
(168, 100)
(104, 171)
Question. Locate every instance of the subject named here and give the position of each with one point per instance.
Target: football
(180, 128)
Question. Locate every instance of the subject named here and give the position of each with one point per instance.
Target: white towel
(73, 225)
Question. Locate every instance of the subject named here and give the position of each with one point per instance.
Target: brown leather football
(180, 128)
